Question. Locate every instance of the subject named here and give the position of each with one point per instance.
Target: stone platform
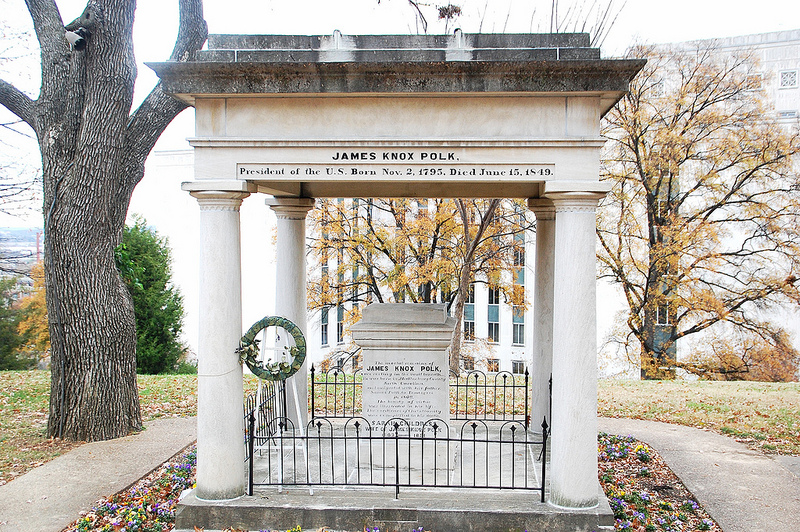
(353, 509)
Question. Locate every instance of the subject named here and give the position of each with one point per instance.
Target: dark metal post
(251, 450)
(550, 400)
(544, 453)
(527, 411)
(397, 459)
(313, 386)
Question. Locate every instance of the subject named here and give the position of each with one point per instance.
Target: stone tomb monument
(405, 367)
(429, 116)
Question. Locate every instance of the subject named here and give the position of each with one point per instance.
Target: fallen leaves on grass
(763, 415)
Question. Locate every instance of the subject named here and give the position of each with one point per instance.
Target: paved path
(50, 497)
(743, 490)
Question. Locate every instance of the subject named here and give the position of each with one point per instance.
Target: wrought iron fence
(262, 409)
(502, 396)
(337, 452)
(497, 397)
(336, 393)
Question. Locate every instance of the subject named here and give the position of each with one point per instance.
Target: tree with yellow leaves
(416, 251)
(700, 231)
(33, 326)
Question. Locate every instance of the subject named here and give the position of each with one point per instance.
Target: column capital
(542, 208)
(576, 201)
(575, 196)
(290, 208)
(219, 200)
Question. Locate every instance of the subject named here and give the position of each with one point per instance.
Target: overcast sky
(166, 207)
(642, 20)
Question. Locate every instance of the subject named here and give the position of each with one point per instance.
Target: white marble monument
(405, 366)
(459, 116)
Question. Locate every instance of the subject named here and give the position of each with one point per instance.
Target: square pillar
(542, 356)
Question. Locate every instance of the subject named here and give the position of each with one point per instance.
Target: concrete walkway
(50, 497)
(743, 490)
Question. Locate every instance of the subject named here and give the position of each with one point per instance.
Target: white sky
(172, 212)
(642, 20)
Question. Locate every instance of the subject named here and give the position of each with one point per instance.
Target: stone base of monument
(352, 510)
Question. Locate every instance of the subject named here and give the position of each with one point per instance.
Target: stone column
(220, 425)
(542, 357)
(290, 289)
(573, 459)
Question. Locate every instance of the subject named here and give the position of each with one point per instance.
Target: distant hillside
(18, 248)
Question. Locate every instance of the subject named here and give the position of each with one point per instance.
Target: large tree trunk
(93, 389)
(93, 152)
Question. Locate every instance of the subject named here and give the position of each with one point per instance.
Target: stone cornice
(290, 208)
(543, 209)
(242, 142)
(605, 78)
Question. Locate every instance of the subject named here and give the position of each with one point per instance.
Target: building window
(517, 367)
(788, 79)
(662, 314)
(469, 327)
(518, 322)
(340, 324)
(469, 314)
(492, 365)
(324, 327)
(494, 315)
(787, 115)
(468, 362)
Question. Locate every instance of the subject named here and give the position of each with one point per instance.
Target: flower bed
(148, 506)
(644, 494)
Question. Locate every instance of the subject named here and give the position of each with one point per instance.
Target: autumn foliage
(701, 230)
(33, 326)
(414, 251)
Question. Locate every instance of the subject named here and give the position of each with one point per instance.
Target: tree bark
(470, 247)
(93, 151)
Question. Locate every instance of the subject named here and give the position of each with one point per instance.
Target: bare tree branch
(155, 113)
(18, 103)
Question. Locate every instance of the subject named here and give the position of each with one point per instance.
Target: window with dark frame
(324, 327)
(518, 324)
(468, 362)
(469, 315)
(493, 315)
(340, 324)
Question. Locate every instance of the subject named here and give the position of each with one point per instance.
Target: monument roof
(404, 64)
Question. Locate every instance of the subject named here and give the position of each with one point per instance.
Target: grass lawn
(24, 399)
(764, 415)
